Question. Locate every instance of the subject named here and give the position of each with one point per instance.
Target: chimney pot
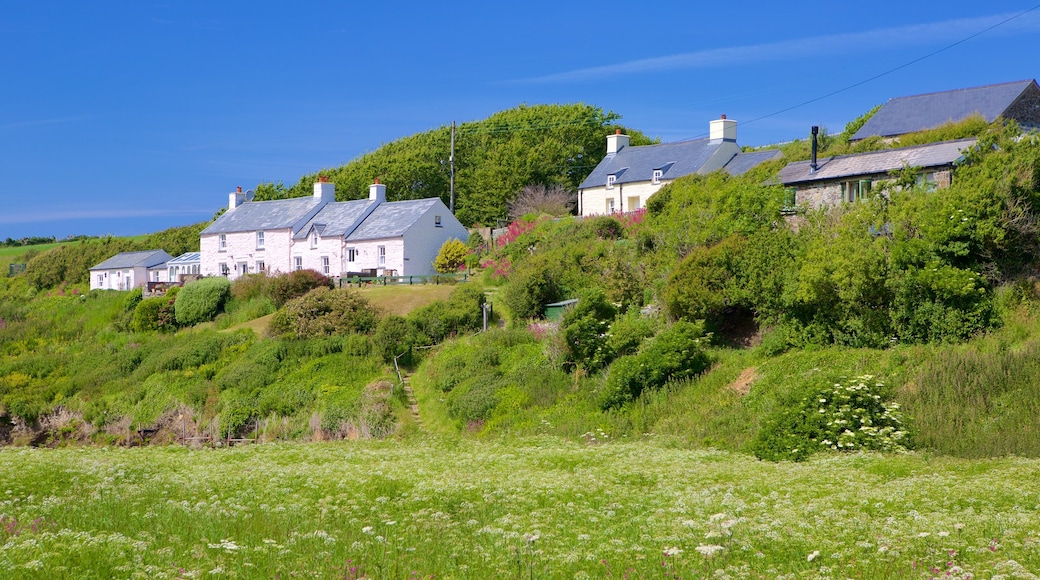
(617, 131)
(723, 115)
(239, 189)
(377, 181)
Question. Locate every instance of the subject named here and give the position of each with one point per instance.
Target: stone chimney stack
(723, 129)
(324, 189)
(616, 142)
(377, 192)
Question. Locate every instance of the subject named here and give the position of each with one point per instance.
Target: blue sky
(129, 117)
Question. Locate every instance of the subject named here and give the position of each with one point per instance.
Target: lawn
(532, 508)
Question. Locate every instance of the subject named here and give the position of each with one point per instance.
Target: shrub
(584, 328)
(462, 312)
(851, 415)
(530, 289)
(201, 300)
(146, 315)
(394, 336)
(675, 353)
(251, 286)
(451, 256)
(323, 312)
(284, 288)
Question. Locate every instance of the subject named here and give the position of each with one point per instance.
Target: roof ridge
(891, 150)
(961, 89)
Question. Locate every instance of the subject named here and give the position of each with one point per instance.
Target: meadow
(539, 507)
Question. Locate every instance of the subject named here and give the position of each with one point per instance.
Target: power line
(887, 72)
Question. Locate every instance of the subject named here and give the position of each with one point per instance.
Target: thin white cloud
(36, 122)
(43, 215)
(829, 45)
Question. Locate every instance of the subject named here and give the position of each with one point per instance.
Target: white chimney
(324, 189)
(377, 192)
(724, 129)
(235, 198)
(616, 142)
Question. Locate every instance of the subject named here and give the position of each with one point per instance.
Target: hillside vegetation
(705, 319)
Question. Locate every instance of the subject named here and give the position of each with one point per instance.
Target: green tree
(451, 256)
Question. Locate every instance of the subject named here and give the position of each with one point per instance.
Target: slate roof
(186, 258)
(337, 218)
(744, 162)
(903, 115)
(637, 163)
(392, 219)
(124, 260)
(252, 216)
(876, 162)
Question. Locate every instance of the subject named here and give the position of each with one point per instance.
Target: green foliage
(854, 416)
(201, 300)
(531, 287)
(393, 337)
(146, 314)
(585, 330)
(451, 256)
(674, 354)
(283, 288)
(323, 312)
(698, 288)
(462, 312)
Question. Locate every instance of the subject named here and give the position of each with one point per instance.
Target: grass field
(532, 508)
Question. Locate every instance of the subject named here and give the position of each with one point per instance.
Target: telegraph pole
(451, 162)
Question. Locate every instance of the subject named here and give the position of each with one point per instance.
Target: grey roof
(744, 162)
(186, 258)
(392, 219)
(338, 218)
(903, 115)
(876, 162)
(145, 259)
(276, 214)
(637, 163)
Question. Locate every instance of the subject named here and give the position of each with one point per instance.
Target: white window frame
(260, 240)
(611, 206)
(657, 176)
(314, 241)
(381, 255)
(325, 265)
(437, 221)
(610, 181)
(222, 242)
(297, 262)
(260, 266)
(224, 271)
(351, 255)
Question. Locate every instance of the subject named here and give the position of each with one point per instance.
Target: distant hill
(494, 159)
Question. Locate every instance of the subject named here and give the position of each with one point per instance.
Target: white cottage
(367, 236)
(126, 270)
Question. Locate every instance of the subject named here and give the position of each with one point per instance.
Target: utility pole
(451, 162)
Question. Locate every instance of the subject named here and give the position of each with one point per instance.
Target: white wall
(118, 279)
(241, 247)
(594, 199)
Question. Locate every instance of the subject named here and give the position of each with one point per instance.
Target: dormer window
(657, 176)
(610, 181)
(314, 240)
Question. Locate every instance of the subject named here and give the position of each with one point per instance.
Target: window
(222, 243)
(260, 266)
(325, 265)
(657, 176)
(351, 254)
(926, 181)
(297, 262)
(224, 269)
(610, 205)
(100, 280)
(437, 221)
(242, 268)
(610, 181)
(259, 240)
(314, 240)
(855, 190)
(633, 203)
(381, 252)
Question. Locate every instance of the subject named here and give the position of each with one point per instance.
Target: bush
(530, 289)
(201, 300)
(282, 289)
(675, 353)
(585, 327)
(842, 417)
(323, 312)
(462, 312)
(394, 336)
(451, 256)
(146, 315)
(251, 286)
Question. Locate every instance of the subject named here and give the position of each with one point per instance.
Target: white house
(126, 270)
(629, 175)
(367, 236)
(171, 271)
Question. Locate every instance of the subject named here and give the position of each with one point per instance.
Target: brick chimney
(377, 192)
(723, 129)
(616, 142)
(324, 190)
